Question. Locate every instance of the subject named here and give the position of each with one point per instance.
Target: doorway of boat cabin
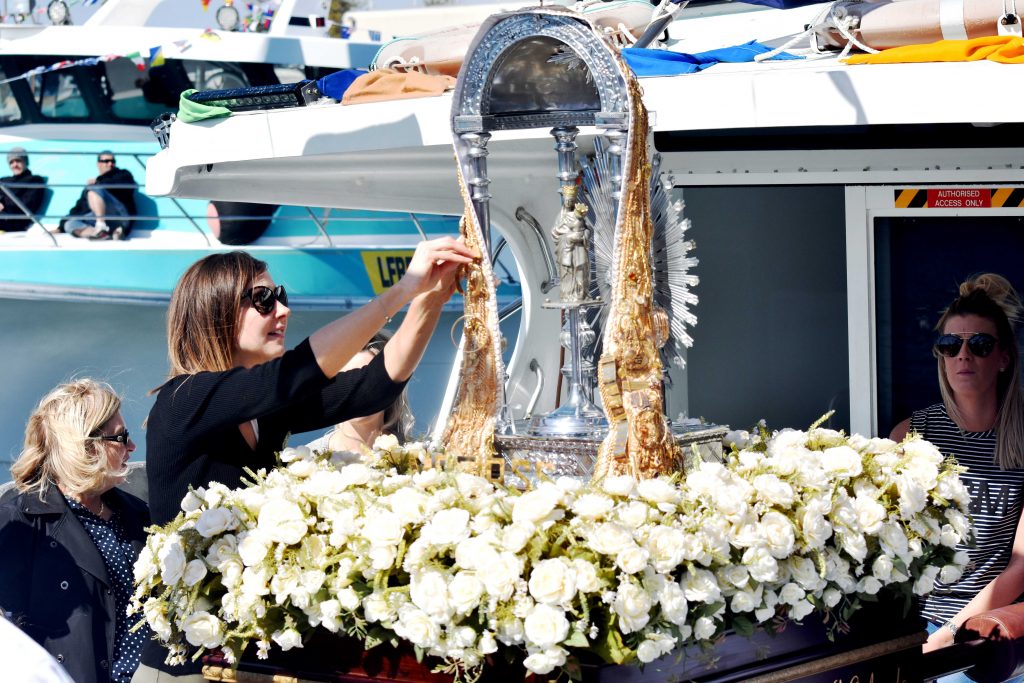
(908, 254)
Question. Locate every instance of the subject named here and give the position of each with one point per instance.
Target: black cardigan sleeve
(353, 393)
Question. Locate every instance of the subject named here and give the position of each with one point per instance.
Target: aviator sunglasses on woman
(264, 299)
(980, 344)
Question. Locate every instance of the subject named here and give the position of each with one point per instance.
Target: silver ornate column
(481, 184)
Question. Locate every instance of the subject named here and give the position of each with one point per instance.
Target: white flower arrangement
(380, 548)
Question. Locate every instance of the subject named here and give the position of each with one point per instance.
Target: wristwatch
(951, 627)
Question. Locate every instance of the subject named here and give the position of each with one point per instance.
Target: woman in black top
(235, 394)
(69, 540)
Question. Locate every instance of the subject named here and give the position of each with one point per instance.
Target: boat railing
(163, 212)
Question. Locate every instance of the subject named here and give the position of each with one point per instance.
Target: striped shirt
(996, 498)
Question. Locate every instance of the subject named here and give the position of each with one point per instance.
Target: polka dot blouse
(119, 556)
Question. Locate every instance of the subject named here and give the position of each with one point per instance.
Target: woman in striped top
(980, 423)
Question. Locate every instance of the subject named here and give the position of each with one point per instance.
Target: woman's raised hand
(434, 265)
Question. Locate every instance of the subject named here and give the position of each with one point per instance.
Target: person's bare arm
(899, 432)
(428, 282)
(1001, 591)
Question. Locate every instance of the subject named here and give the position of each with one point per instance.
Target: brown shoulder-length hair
(202, 320)
(992, 297)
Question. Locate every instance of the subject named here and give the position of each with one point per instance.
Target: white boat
(97, 82)
(833, 206)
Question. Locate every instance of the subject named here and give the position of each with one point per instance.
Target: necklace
(357, 437)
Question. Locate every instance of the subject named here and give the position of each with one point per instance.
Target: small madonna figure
(571, 245)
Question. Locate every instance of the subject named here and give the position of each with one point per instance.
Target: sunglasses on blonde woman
(120, 437)
(980, 344)
(264, 298)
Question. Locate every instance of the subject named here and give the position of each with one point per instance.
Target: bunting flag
(206, 5)
(156, 56)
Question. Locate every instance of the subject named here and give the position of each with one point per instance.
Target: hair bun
(999, 289)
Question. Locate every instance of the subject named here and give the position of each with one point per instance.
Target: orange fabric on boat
(389, 84)
(1003, 49)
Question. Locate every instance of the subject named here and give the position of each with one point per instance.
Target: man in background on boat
(102, 209)
(28, 188)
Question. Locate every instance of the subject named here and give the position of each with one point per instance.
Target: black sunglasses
(120, 437)
(264, 298)
(105, 161)
(980, 344)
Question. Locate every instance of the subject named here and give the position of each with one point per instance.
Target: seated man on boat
(102, 210)
(26, 188)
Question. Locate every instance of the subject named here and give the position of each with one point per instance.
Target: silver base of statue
(532, 459)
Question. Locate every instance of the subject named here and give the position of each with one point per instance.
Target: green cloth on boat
(190, 112)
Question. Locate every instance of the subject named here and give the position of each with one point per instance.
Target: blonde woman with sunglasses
(235, 394)
(69, 539)
(980, 422)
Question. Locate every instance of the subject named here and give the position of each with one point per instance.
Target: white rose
(553, 582)
(950, 573)
(805, 572)
(777, 532)
(193, 500)
(252, 548)
(172, 560)
(510, 630)
(791, 593)
(632, 559)
(469, 553)
(656, 645)
(376, 608)
(472, 486)
(870, 514)
(667, 547)
(487, 644)
(609, 538)
(222, 550)
(926, 582)
(587, 580)
(535, 506)
(841, 461)
(632, 514)
(704, 629)
(869, 585)
(429, 592)
(913, 496)
(816, 529)
(832, 596)
(464, 592)
(448, 527)
(773, 490)
(417, 627)
(145, 567)
(854, 544)
(800, 610)
(622, 485)
(385, 442)
(545, 661)
(383, 528)
(282, 521)
(674, 606)
(215, 521)
(633, 605)
(503, 570)
(156, 617)
(746, 601)
(298, 453)
(545, 626)
(287, 638)
(761, 565)
(194, 572)
(658, 491)
(303, 468)
(592, 506)
(356, 474)
(881, 568)
(700, 585)
(515, 536)
(734, 575)
(203, 629)
(893, 539)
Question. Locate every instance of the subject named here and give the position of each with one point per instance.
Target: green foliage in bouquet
(383, 549)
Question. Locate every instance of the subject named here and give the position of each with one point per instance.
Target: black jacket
(192, 437)
(11, 217)
(126, 195)
(54, 583)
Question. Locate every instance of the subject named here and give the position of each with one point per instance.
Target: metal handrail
(24, 210)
